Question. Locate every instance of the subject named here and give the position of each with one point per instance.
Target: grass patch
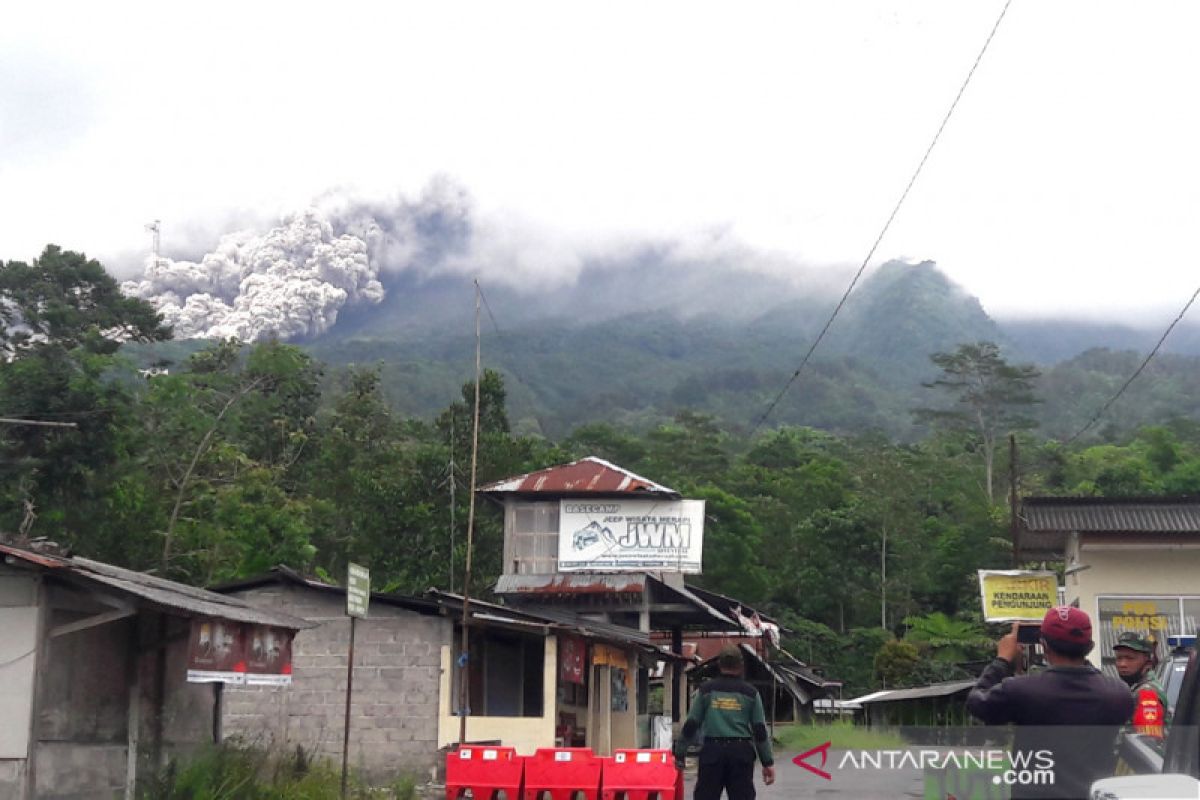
(235, 770)
(841, 735)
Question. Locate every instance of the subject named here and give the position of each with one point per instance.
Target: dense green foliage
(247, 456)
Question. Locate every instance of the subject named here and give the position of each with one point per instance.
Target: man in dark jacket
(730, 713)
(1070, 710)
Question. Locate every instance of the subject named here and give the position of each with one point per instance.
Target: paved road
(861, 784)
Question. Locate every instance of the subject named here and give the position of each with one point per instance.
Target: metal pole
(464, 647)
(218, 711)
(883, 581)
(36, 422)
(453, 480)
(349, 689)
(1014, 526)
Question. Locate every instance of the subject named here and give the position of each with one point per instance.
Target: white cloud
(1067, 181)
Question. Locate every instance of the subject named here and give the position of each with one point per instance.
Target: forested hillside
(245, 456)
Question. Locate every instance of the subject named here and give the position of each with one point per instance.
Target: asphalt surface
(861, 784)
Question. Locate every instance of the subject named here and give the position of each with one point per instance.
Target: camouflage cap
(1139, 642)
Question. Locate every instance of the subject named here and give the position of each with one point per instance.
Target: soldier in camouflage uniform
(729, 712)
(1136, 660)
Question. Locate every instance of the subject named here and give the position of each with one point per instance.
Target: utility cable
(505, 343)
(895, 210)
(1096, 417)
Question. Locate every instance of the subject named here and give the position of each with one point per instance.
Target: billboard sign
(630, 535)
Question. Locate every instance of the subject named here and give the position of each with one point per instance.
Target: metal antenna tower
(155, 229)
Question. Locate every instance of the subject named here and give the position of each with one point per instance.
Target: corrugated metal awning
(575, 583)
(918, 693)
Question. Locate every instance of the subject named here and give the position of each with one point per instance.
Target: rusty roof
(586, 476)
(558, 620)
(567, 587)
(180, 598)
(574, 583)
(1111, 514)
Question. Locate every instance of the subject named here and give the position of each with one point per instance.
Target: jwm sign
(631, 535)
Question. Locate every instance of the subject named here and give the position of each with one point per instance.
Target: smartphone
(1029, 634)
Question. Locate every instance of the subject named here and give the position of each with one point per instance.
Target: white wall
(18, 658)
(1130, 569)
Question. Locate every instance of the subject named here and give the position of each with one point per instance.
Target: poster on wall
(620, 689)
(572, 658)
(268, 656)
(216, 652)
(221, 651)
(630, 535)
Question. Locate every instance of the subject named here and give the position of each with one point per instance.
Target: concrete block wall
(394, 710)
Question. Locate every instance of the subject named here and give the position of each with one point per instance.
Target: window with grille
(534, 539)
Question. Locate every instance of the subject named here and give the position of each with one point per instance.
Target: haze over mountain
(629, 332)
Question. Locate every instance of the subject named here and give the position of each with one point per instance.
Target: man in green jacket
(729, 712)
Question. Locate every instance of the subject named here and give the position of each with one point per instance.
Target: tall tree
(66, 300)
(991, 399)
(62, 319)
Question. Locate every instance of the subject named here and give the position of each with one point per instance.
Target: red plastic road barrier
(485, 771)
(562, 772)
(641, 774)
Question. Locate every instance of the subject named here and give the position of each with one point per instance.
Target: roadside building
(524, 670)
(594, 540)
(95, 663)
(1130, 562)
(788, 688)
(394, 708)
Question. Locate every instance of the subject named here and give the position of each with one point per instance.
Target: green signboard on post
(358, 591)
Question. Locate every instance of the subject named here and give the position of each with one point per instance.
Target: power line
(504, 341)
(1096, 417)
(895, 210)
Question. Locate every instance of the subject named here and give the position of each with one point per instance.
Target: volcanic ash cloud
(290, 282)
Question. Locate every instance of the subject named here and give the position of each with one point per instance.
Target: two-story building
(593, 540)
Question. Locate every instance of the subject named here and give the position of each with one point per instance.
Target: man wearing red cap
(1070, 709)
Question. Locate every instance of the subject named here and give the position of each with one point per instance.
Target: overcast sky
(1068, 182)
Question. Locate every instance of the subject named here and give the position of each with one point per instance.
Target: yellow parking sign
(1014, 595)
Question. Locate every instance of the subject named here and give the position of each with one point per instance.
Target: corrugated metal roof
(160, 592)
(559, 619)
(589, 583)
(936, 690)
(589, 475)
(571, 583)
(1111, 515)
(283, 574)
(726, 605)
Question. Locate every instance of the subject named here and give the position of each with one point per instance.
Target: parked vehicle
(1173, 771)
(1171, 671)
